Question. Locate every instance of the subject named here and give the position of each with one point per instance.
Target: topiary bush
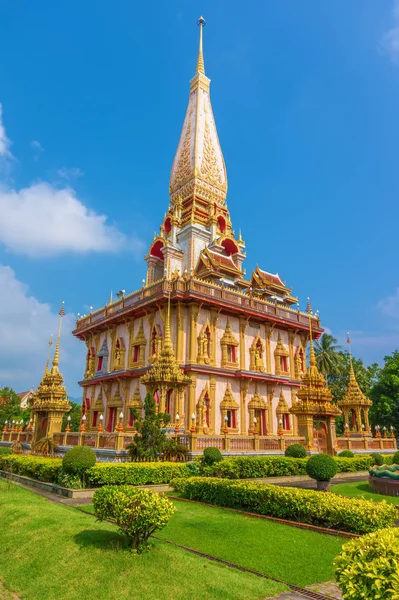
(304, 506)
(137, 512)
(5, 451)
(321, 467)
(377, 459)
(78, 460)
(295, 451)
(368, 567)
(211, 455)
(346, 454)
(395, 459)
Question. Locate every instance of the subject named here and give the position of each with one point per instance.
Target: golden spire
(200, 62)
(353, 396)
(110, 298)
(312, 357)
(56, 358)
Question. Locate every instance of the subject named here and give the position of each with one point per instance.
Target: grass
(50, 551)
(294, 555)
(362, 489)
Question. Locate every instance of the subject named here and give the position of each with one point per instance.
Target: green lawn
(361, 489)
(295, 555)
(50, 551)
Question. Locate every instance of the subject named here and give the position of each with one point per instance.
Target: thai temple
(230, 356)
(223, 353)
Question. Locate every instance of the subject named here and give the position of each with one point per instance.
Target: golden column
(180, 314)
(191, 400)
(268, 331)
(291, 338)
(194, 312)
(214, 320)
(270, 396)
(243, 328)
(244, 385)
(212, 394)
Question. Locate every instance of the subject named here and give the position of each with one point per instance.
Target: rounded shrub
(346, 454)
(295, 451)
(368, 567)
(211, 455)
(78, 459)
(321, 467)
(137, 512)
(396, 458)
(377, 458)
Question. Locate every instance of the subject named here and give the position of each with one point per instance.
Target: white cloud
(25, 328)
(4, 141)
(389, 306)
(390, 41)
(36, 145)
(70, 173)
(42, 220)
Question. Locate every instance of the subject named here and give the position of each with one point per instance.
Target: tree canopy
(10, 407)
(385, 394)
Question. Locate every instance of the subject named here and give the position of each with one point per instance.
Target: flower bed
(369, 567)
(305, 506)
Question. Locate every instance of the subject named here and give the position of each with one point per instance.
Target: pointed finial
(309, 307)
(312, 356)
(56, 358)
(48, 353)
(351, 371)
(167, 342)
(200, 62)
(110, 298)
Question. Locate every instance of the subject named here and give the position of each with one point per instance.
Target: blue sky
(93, 96)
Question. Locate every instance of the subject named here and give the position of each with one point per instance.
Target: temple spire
(200, 61)
(56, 358)
(312, 356)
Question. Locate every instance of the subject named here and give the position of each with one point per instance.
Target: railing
(201, 288)
(366, 443)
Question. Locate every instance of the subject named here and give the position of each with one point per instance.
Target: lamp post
(30, 424)
(13, 425)
(280, 427)
(255, 423)
(100, 424)
(83, 425)
(377, 431)
(177, 425)
(120, 426)
(363, 430)
(385, 431)
(392, 433)
(192, 423)
(347, 432)
(68, 427)
(5, 426)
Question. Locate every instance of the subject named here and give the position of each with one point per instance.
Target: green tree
(385, 394)
(10, 407)
(150, 440)
(327, 354)
(76, 414)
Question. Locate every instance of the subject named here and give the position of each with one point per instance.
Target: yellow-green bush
(304, 506)
(137, 512)
(135, 473)
(38, 467)
(368, 568)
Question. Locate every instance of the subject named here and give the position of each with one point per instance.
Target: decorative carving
(138, 346)
(256, 353)
(229, 345)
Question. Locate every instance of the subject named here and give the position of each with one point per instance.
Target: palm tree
(327, 354)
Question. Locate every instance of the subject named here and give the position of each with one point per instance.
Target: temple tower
(50, 401)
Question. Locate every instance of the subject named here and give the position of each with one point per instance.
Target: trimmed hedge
(37, 467)
(135, 473)
(369, 567)
(246, 467)
(347, 454)
(304, 506)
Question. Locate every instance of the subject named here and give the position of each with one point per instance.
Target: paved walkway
(329, 589)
